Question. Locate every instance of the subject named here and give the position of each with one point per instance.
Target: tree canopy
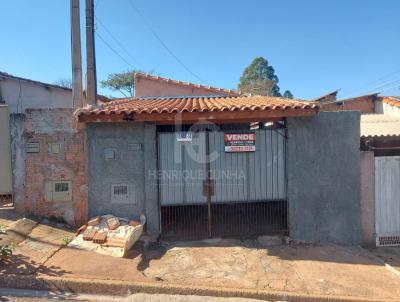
(287, 94)
(123, 82)
(260, 78)
(67, 83)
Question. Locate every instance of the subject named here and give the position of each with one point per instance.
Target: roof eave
(219, 117)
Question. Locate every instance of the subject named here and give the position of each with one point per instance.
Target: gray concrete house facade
(319, 200)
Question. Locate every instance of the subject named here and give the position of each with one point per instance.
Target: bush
(5, 250)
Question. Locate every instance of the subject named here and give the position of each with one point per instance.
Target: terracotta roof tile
(173, 105)
(391, 100)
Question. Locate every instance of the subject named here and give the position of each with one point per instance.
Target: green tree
(287, 94)
(260, 78)
(123, 82)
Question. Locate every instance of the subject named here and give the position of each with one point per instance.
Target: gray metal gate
(387, 200)
(205, 191)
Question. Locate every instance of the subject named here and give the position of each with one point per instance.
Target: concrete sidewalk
(216, 267)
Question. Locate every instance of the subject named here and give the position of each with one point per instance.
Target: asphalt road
(11, 295)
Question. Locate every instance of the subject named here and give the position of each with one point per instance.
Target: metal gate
(207, 192)
(387, 200)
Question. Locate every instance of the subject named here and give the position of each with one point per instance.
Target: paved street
(10, 295)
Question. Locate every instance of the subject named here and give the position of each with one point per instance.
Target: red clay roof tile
(391, 100)
(197, 104)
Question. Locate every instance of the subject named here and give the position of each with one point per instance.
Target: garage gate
(207, 192)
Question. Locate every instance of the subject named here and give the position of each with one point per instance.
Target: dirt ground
(294, 268)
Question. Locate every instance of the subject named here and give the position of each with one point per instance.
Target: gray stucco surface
(135, 152)
(17, 126)
(324, 178)
(367, 198)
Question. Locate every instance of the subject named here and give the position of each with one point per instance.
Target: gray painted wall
(324, 178)
(20, 95)
(367, 197)
(135, 146)
(17, 126)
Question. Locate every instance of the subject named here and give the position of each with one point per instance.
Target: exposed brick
(56, 126)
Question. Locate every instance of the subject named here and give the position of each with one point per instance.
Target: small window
(120, 190)
(61, 187)
(109, 153)
(54, 148)
(58, 190)
(32, 147)
(122, 193)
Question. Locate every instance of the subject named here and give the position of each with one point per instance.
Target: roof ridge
(182, 83)
(10, 76)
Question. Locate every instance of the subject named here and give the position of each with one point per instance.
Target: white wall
(20, 95)
(381, 107)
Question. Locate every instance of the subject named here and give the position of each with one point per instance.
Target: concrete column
(17, 129)
(367, 197)
(151, 185)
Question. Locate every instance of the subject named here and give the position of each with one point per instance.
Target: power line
(119, 43)
(374, 82)
(397, 81)
(113, 50)
(162, 42)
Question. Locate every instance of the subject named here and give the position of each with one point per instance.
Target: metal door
(387, 200)
(205, 191)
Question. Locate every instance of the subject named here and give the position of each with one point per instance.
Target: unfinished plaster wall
(135, 153)
(55, 126)
(150, 87)
(324, 177)
(367, 197)
(20, 95)
(17, 131)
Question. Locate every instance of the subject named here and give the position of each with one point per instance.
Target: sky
(315, 46)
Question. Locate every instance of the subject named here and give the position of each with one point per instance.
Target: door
(387, 200)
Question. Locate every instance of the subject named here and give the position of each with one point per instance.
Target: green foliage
(5, 250)
(123, 82)
(260, 78)
(66, 240)
(287, 94)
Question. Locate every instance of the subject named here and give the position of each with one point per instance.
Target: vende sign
(240, 142)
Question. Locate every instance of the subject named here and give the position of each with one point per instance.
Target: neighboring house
(380, 178)
(326, 98)
(16, 95)
(153, 86)
(379, 166)
(21, 93)
(388, 105)
(364, 103)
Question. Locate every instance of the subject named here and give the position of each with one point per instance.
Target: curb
(114, 287)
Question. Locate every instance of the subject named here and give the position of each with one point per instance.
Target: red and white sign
(240, 142)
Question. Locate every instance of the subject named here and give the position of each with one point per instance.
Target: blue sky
(315, 46)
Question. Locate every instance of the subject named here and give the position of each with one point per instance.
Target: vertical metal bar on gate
(208, 182)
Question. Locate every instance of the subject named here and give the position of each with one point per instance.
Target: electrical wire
(397, 81)
(119, 43)
(378, 81)
(162, 42)
(113, 50)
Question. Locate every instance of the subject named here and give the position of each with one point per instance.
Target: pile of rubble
(108, 235)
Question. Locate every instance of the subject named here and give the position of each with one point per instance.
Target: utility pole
(91, 82)
(76, 55)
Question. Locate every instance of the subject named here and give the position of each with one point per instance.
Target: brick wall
(364, 104)
(48, 126)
